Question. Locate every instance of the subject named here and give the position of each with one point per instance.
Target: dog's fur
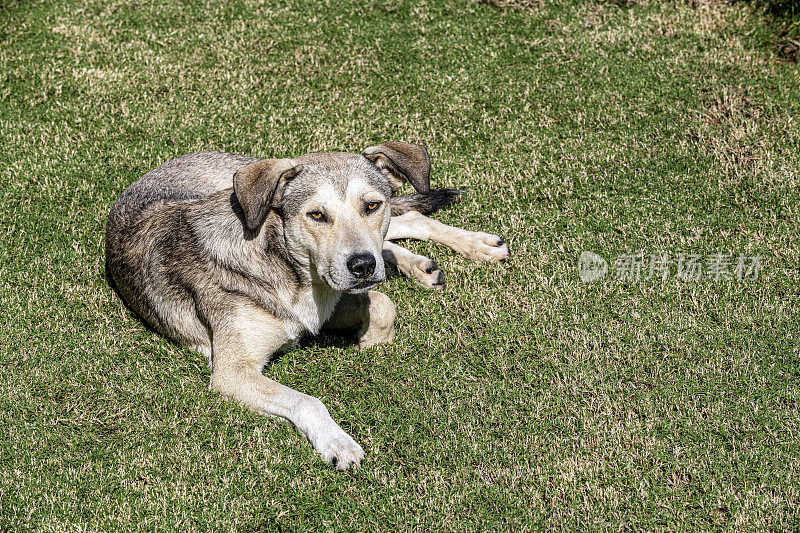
(237, 257)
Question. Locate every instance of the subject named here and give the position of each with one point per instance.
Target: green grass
(519, 397)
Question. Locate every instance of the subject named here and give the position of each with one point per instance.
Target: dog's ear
(258, 184)
(402, 162)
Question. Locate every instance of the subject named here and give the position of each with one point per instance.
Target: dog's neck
(315, 305)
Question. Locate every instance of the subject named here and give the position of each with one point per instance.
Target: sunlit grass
(518, 397)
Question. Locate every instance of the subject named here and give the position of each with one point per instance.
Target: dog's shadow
(330, 339)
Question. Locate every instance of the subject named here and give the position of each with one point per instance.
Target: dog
(238, 257)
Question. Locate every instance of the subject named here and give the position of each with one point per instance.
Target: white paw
(482, 246)
(425, 272)
(338, 449)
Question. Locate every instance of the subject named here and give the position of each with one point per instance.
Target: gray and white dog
(238, 257)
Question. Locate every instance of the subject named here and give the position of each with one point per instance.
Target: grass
(519, 397)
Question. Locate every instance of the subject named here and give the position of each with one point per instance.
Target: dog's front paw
(338, 449)
(486, 247)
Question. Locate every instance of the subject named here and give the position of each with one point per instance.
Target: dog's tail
(426, 204)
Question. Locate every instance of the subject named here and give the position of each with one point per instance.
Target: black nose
(361, 264)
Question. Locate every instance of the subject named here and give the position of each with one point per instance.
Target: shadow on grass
(786, 9)
(785, 13)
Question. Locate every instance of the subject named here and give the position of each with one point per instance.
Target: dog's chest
(314, 307)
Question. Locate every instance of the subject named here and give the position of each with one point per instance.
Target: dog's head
(335, 206)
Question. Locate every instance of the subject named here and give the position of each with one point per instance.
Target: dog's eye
(373, 206)
(319, 216)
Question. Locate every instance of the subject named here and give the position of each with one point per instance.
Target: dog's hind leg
(417, 267)
(371, 312)
(476, 245)
(243, 343)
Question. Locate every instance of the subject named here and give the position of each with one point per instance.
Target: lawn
(520, 397)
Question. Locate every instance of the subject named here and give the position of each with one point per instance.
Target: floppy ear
(256, 186)
(402, 162)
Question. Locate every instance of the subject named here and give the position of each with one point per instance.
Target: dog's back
(183, 179)
(143, 224)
